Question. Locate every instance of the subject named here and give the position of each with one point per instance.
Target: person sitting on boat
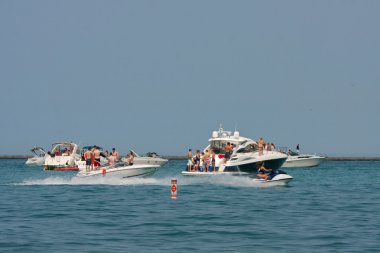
(66, 152)
(130, 158)
(87, 158)
(262, 172)
(189, 160)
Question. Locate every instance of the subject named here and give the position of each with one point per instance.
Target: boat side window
(247, 149)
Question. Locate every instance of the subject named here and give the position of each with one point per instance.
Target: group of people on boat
(265, 146)
(93, 153)
(201, 162)
(92, 157)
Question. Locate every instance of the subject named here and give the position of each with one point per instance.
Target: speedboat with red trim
(62, 157)
(120, 170)
(245, 158)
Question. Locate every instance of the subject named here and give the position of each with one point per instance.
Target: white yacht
(296, 160)
(120, 170)
(149, 158)
(39, 157)
(62, 156)
(245, 158)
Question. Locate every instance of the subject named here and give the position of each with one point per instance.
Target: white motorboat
(149, 158)
(296, 160)
(62, 156)
(121, 170)
(277, 180)
(39, 157)
(245, 158)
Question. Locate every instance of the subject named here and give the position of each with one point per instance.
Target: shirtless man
(130, 157)
(96, 157)
(87, 158)
(116, 154)
(262, 172)
(260, 143)
(189, 160)
(111, 160)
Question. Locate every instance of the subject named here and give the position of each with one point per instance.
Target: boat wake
(225, 180)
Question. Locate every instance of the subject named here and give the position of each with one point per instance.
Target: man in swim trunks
(97, 157)
(87, 158)
(189, 160)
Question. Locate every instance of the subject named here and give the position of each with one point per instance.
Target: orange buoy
(174, 188)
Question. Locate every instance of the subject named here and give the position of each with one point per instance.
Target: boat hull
(278, 180)
(121, 171)
(303, 162)
(35, 161)
(61, 168)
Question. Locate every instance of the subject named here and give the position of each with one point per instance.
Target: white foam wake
(231, 181)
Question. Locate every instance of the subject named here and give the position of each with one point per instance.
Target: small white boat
(296, 160)
(303, 161)
(62, 156)
(39, 157)
(277, 180)
(149, 158)
(121, 170)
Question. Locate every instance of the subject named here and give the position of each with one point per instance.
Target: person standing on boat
(260, 143)
(213, 160)
(189, 160)
(115, 153)
(96, 157)
(227, 152)
(111, 160)
(298, 149)
(87, 158)
(130, 157)
(269, 147)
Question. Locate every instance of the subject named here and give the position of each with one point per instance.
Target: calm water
(332, 208)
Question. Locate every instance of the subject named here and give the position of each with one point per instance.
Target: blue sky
(162, 75)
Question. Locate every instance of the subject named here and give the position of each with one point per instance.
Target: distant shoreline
(332, 158)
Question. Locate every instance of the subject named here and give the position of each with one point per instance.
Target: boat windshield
(63, 149)
(40, 152)
(249, 148)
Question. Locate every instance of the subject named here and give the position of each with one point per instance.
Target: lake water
(331, 208)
